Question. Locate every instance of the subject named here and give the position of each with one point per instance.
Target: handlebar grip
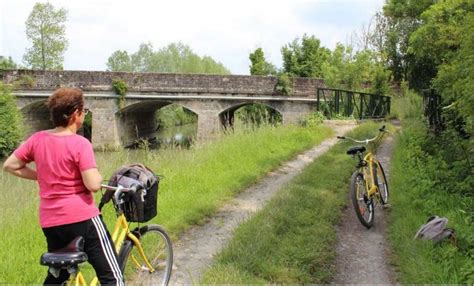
(341, 137)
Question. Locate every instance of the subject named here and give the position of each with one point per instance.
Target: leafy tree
(45, 28)
(402, 19)
(455, 80)
(259, 66)
(174, 58)
(119, 61)
(11, 130)
(7, 63)
(304, 59)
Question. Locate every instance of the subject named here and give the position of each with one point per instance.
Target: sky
(227, 31)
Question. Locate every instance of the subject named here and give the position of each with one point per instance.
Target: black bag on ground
(142, 205)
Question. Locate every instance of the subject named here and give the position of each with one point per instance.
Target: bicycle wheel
(382, 184)
(363, 206)
(157, 247)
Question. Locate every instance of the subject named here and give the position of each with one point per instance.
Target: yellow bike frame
(369, 175)
(120, 232)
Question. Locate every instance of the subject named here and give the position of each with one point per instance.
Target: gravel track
(361, 253)
(194, 251)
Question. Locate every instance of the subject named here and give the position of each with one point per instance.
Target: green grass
(292, 240)
(195, 183)
(418, 192)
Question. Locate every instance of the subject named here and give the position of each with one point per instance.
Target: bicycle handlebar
(119, 190)
(365, 141)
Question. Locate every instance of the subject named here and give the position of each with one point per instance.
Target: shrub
(120, 88)
(11, 130)
(284, 84)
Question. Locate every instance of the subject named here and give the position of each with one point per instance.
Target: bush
(11, 131)
(284, 84)
(120, 88)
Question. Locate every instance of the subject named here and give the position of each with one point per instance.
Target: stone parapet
(159, 82)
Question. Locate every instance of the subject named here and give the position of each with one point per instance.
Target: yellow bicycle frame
(120, 232)
(368, 171)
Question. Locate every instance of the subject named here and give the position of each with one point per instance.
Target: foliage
(173, 115)
(431, 176)
(455, 80)
(119, 61)
(46, 30)
(314, 119)
(174, 58)
(120, 87)
(408, 105)
(7, 63)
(255, 115)
(304, 59)
(259, 66)
(402, 18)
(11, 128)
(195, 183)
(380, 80)
(284, 84)
(351, 70)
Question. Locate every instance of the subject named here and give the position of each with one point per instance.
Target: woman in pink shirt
(67, 176)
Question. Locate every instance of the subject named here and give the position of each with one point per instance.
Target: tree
(305, 59)
(7, 63)
(119, 61)
(11, 131)
(402, 19)
(259, 66)
(174, 58)
(45, 28)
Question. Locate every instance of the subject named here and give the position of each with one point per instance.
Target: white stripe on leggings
(108, 251)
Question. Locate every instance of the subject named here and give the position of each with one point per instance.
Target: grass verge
(195, 183)
(292, 240)
(422, 189)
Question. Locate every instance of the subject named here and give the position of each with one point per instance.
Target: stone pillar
(104, 129)
(293, 113)
(209, 125)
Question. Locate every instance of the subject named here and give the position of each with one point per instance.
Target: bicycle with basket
(145, 252)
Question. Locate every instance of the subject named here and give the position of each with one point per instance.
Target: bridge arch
(137, 120)
(263, 111)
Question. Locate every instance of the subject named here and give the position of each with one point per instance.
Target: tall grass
(194, 184)
(422, 188)
(292, 240)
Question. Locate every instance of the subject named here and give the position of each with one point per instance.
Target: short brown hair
(62, 104)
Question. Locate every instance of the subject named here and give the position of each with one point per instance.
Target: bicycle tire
(363, 206)
(383, 187)
(159, 251)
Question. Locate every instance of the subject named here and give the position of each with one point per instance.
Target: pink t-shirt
(59, 160)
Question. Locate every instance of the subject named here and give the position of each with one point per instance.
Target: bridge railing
(348, 103)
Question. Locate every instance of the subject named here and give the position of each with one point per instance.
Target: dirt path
(362, 256)
(194, 252)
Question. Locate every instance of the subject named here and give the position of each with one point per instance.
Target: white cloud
(225, 30)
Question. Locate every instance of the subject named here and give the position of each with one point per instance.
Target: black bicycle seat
(355, 150)
(71, 255)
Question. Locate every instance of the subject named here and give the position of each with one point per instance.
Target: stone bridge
(212, 98)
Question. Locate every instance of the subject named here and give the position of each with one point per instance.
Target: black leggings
(98, 246)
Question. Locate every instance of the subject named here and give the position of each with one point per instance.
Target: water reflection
(182, 136)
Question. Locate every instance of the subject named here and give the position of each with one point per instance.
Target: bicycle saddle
(71, 255)
(355, 150)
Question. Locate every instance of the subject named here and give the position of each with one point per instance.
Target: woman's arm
(17, 167)
(92, 179)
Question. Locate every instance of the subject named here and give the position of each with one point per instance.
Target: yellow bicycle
(145, 253)
(368, 182)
